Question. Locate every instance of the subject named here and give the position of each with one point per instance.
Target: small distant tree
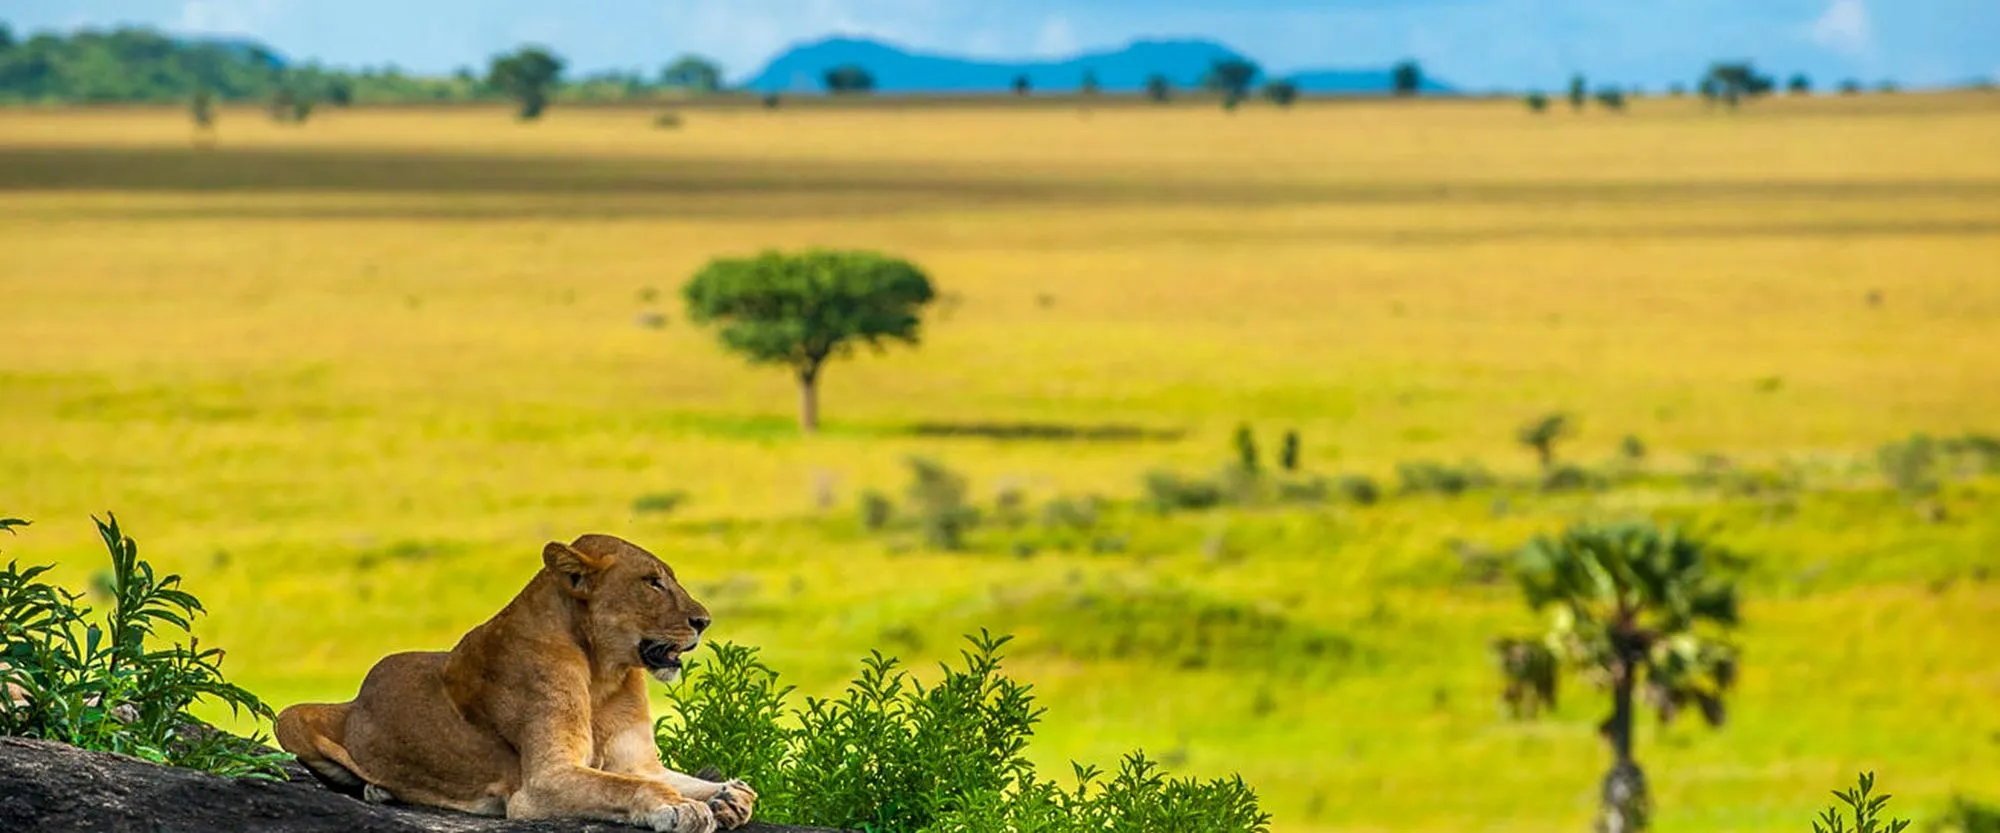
(289, 105)
(202, 109)
(1799, 85)
(1288, 452)
(529, 76)
(1088, 86)
(1406, 79)
(849, 78)
(1158, 89)
(1246, 448)
(340, 92)
(6, 37)
(1850, 87)
(1021, 85)
(1677, 89)
(1281, 92)
(800, 310)
(692, 73)
(1733, 82)
(1611, 99)
(1577, 92)
(1536, 102)
(1232, 77)
(1647, 612)
(1541, 435)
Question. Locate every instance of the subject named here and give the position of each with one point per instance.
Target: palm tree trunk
(809, 400)
(1626, 805)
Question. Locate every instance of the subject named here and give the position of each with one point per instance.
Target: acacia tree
(1232, 77)
(692, 73)
(1642, 611)
(1541, 434)
(799, 310)
(849, 78)
(528, 76)
(1406, 79)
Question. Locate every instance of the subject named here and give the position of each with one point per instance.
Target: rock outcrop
(57, 788)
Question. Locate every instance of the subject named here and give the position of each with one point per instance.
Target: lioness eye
(656, 582)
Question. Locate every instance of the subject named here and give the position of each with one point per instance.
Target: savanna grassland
(349, 376)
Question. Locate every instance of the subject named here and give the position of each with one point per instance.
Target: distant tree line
(137, 64)
(1725, 84)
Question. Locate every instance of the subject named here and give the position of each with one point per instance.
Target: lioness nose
(700, 623)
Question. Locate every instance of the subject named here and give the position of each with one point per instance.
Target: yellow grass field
(347, 377)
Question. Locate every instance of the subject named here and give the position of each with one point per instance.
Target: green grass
(348, 379)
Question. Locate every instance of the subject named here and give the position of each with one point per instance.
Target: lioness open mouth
(661, 656)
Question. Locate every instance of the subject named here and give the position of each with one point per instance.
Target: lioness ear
(575, 566)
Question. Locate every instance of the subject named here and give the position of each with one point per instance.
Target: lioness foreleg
(555, 783)
(633, 752)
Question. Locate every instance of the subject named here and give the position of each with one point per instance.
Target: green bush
(1439, 478)
(1168, 492)
(1911, 466)
(876, 510)
(1360, 490)
(891, 754)
(937, 495)
(1964, 815)
(1865, 810)
(100, 685)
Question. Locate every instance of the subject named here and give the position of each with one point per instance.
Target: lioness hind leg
(312, 732)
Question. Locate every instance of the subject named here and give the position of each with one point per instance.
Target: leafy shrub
(1865, 810)
(1360, 490)
(1567, 478)
(1439, 478)
(101, 686)
(876, 510)
(669, 120)
(1632, 448)
(937, 495)
(1288, 453)
(1964, 815)
(1167, 492)
(891, 754)
(1911, 466)
(1542, 433)
(1311, 490)
(1079, 514)
(1536, 102)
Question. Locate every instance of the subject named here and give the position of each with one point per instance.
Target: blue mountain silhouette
(898, 70)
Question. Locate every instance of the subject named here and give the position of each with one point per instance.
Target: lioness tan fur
(540, 712)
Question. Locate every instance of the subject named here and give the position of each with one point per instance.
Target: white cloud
(1844, 27)
(227, 17)
(1056, 39)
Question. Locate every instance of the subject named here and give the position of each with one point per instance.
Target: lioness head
(634, 608)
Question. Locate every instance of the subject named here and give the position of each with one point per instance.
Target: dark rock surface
(57, 788)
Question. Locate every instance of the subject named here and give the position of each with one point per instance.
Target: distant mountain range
(897, 70)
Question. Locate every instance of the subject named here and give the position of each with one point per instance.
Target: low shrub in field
(98, 684)
(937, 496)
(1964, 815)
(1360, 490)
(892, 754)
(1167, 491)
(1440, 478)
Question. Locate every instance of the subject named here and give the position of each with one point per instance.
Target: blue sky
(1475, 43)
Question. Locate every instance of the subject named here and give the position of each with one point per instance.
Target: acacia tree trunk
(1625, 804)
(809, 400)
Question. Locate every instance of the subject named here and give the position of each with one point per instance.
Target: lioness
(539, 713)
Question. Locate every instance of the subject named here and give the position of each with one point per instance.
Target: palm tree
(1642, 611)
(1541, 435)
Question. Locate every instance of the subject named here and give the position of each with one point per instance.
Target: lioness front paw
(732, 804)
(684, 817)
